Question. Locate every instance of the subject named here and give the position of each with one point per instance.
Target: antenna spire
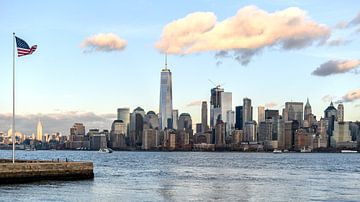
(165, 60)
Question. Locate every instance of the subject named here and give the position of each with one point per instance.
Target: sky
(94, 57)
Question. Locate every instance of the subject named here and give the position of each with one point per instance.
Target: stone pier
(29, 171)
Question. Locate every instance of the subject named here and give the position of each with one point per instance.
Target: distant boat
(105, 150)
(348, 151)
(277, 151)
(304, 150)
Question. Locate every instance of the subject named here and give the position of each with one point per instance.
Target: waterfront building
(77, 138)
(341, 134)
(98, 140)
(118, 134)
(237, 136)
(39, 131)
(149, 140)
(265, 131)
(123, 114)
(288, 135)
(330, 115)
(166, 100)
(136, 126)
(204, 116)
(220, 133)
(303, 139)
(247, 111)
(230, 124)
(250, 131)
(239, 117)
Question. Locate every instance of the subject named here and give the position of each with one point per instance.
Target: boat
(277, 151)
(105, 150)
(348, 151)
(304, 150)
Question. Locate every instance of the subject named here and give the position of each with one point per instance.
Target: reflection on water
(179, 176)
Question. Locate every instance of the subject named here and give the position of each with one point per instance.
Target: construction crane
(216, 85)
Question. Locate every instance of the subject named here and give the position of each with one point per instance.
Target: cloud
(355, 21)
(243, 35)
(194, 103)
(336, 67)
(347, 24)
(350, 96)
(337, 42)
(57, 122)
(104, 42)
(270, 105)
(328, 98)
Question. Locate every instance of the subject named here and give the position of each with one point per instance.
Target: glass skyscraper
(166, 108)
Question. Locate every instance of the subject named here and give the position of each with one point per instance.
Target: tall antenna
(165, 60)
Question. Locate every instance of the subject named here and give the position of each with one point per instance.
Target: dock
(23, 171)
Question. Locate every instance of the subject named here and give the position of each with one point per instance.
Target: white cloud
(328, 98)
(244, 34)
(336, 67)
(270, 105)
(351, 96)
(194, 103)
(105, 42)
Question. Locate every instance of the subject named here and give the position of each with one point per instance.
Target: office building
(123, 114)
(247, 111)
(261, 114)
(204, 116)
(166, 100)
(340, 113)
(239, 117)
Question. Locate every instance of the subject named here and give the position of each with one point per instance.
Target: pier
(23, 171)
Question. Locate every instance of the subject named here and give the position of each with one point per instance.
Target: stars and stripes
(23, 48)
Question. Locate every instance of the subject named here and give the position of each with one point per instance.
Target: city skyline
(84, 85)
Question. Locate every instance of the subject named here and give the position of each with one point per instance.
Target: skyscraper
(39, 131)
(175, 118)
(261, 114)
(165, 107)
(215, 105)
(239, 117)
(204, 115)
(123, 114)
(247, 111)
(307, 110)
(294, 111)
(340, 113)
(226, 105)
(185, 122)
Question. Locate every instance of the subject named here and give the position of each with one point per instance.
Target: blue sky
(60, 78)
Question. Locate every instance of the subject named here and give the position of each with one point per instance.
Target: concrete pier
(29, 171)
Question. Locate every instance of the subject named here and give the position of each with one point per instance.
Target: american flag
(23, 48)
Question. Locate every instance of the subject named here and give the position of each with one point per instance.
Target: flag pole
(13, 118)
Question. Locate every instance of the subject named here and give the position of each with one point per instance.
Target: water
(197, 176)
